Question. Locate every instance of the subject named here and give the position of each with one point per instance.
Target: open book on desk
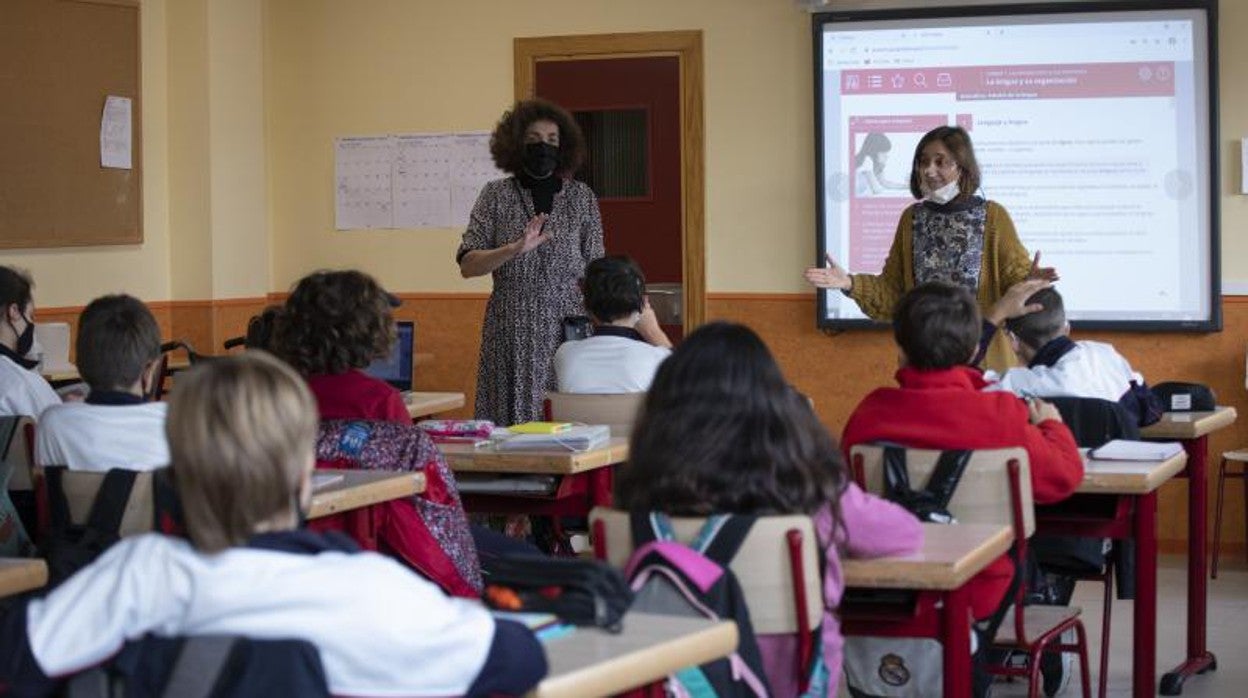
(578, 438)
(1122, 449)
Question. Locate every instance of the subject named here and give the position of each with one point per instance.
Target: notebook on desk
(397, 368)
(1122, 449)
(582, 437)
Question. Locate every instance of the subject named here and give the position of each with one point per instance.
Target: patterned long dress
(533, 292)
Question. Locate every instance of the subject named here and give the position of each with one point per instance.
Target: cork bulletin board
(61, 61)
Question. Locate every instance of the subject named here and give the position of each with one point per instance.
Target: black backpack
(69, 546)
(931, 503)
(659, 571)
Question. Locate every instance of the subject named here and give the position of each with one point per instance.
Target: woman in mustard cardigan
(951, 235)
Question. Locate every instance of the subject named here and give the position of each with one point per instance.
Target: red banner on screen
(1087, 80)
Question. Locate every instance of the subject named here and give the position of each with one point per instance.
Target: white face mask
(945, 194)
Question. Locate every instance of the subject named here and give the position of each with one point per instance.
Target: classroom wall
(324, 68)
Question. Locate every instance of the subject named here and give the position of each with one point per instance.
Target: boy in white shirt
(23, 392)
(118, 354)
(627, 345)
(242, 431)
(1058, 366)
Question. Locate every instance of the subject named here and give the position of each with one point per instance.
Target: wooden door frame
(687, 47)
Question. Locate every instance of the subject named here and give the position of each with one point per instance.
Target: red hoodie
(945, 409)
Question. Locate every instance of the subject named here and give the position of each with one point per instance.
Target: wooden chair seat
(1038, 620)
(1240, 456)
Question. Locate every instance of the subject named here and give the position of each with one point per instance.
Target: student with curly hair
(722, 432)
(534, 231)
(334, 325)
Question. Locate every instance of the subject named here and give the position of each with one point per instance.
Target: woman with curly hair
(722, 432)
(335, 324)
(534, 232)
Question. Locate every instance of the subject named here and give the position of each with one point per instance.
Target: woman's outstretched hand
(830, 276)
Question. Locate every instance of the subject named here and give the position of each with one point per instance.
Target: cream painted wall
(238, 183)
(371, 67)
(72, 276)
(339, 68)
(333, 67)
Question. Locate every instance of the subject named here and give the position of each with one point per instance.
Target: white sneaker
(1056, 670)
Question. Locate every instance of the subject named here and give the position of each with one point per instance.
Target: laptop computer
(396, 369)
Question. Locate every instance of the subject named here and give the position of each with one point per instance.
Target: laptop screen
(396, 369)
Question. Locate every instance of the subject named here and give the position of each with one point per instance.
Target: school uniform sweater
(946, 409)
(357, 395)
(614, 360)
(109, 430)
(380, 629)
(1065, 368)
(23, 392)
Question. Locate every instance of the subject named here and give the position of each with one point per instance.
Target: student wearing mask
(22, 390)
(534, 232)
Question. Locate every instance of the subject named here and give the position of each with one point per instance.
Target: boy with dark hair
(940, 404)
(118, 354)
(627, 346)
(1058, 366)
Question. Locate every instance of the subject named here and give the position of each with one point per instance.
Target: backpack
(669, 578)
(429, 532)
(70, 546)
(578, 591)
(905, 666)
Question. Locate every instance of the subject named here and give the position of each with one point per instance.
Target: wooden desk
(71, 374)
(1128, 477)
(466, 458)
(21, 574)
(949, 558)
(586, 480)
(1135, 485)
(361, 488)
(591, 662)
(1193, 429)
(425, 404)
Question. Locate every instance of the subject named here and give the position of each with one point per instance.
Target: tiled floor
(1228, 633)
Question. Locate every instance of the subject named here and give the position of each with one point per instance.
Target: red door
(629, 109)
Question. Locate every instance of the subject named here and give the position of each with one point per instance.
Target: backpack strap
(199, 666)
(8, 429)
(896, 476)
(722, 535)
(58, 506)
(947, 475)
(109, 507)
(649, 526)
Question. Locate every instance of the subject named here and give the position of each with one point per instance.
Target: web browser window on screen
(1092, 130)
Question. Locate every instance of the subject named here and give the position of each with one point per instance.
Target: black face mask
(540, 159)
(26, 339)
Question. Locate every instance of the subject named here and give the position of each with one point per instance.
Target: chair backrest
(764, 566)
(618, 411)
(80, 488)
(205, 665)
(983, 493)
(17, 456)
(1094, 421)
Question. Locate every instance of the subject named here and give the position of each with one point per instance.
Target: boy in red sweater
(939, 405)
